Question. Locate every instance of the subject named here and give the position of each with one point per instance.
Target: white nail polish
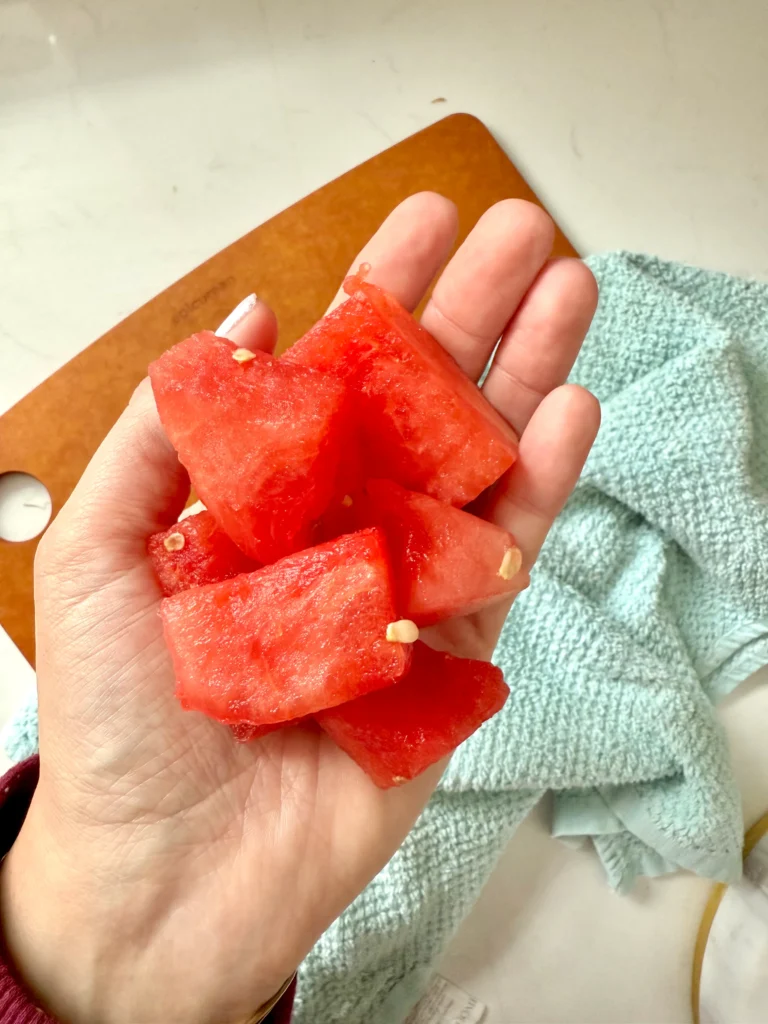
(192, 510)
(240, 312)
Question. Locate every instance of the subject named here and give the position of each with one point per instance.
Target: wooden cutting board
(294, 262)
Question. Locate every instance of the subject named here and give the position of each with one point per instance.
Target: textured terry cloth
(649, 603)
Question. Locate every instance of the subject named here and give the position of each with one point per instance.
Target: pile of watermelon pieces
(333, 479)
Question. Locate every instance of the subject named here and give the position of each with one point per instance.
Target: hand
(165, 873)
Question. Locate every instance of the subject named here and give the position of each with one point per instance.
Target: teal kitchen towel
(649, 603)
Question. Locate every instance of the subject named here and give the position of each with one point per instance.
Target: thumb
(135, 485)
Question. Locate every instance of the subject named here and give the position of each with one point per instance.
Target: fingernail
(192, 510)
(240, 312)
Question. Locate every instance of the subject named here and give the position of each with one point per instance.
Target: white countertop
(138, 138)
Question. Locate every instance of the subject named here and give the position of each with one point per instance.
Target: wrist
(84, 925)
(56, 929)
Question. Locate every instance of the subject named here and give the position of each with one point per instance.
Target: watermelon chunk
(445, 562)
(300, 635)
(423, 423)
(261, 439)
(194, 552)
(396, 733)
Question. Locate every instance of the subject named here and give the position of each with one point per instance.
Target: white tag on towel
(446, 1003)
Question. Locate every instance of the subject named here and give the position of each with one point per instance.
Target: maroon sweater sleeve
(17, 1005)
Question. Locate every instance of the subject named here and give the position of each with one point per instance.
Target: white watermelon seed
(404, 631)
(510, 563)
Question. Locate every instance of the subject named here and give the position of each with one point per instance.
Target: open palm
(197, 872)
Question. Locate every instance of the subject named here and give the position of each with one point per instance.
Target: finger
(409, 248)
(240, 312)
(540, 345)
(553, 449)
(252, 325)
(133, 486)
(480, 289)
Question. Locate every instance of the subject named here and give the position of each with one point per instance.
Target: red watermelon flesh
(293, 638)
(396, 733)
(423, 423)
(244, 732)
(194, 552)
(445, 562)
(261, 439)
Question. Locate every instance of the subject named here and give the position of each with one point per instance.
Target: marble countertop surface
(136, 139)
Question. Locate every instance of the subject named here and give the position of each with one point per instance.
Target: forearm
(52, 956)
